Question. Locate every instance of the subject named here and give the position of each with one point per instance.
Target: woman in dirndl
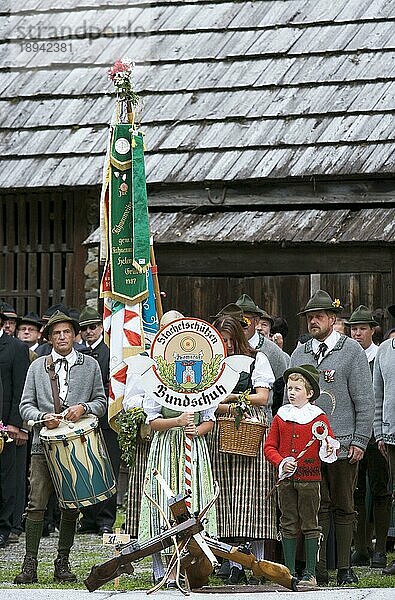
(243, 515)
(167, 455)
(133, 398)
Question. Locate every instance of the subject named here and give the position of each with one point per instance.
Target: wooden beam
(238, 260)
(315, 193)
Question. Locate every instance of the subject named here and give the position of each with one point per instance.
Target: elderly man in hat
(14, 363)
(10, 319)
(373, 466)
(79, 392)
(29, 331)
(99, 518)
(347, 398)
(384, 417)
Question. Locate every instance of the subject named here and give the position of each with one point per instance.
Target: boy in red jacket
(299, 438)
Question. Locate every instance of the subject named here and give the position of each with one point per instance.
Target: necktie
(322, 348)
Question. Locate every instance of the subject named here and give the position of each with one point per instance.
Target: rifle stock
(105, 572)
(261, 568)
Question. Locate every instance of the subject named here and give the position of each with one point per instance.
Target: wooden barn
(271, 148)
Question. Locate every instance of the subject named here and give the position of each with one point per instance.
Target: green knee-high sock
(311, 548)
(66, 532)
(289, 550)
(33, 530)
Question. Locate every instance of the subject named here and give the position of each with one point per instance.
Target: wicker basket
(245, 440)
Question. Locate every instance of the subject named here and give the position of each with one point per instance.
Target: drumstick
(32, 422)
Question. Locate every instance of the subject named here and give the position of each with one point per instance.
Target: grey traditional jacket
(384, 391)
(84, 385)
(346, 389)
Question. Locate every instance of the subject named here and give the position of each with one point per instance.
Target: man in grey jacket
(80, 391)
(347, 398)
(384, 416)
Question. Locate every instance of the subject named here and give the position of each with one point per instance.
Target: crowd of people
(322, 472)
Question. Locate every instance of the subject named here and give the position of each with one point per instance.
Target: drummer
(78, 391)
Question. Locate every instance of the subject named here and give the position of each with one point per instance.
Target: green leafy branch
(129, 423)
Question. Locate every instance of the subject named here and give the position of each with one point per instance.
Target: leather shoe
(379, 560)
(346, 577)
(105, 529)
(3, 540)
(390, 570)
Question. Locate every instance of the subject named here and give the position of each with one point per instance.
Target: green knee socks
(33, 530)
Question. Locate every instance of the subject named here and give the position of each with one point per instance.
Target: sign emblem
(122, 145)
(188, 369)
(188, 354)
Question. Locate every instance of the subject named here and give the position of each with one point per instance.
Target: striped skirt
(167, 454)
(136, 483)
(244, 481)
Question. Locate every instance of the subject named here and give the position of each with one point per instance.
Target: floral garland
(121, 75)
(129, 423)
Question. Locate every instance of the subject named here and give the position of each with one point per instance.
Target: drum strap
(54, 379)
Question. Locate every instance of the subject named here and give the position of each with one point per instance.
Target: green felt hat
(248, 306)
(321, 300)
(59, 317)
(310, 373)
(231, 310)
(361, 315)
(89, 316)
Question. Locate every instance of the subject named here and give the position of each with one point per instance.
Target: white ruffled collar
(303, 415)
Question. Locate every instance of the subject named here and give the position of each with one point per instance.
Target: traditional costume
(167, 455)
(242, 513)
(293, 437)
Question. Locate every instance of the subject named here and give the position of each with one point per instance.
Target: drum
(78, 462)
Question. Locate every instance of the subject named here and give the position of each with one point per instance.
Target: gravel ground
(87, 550)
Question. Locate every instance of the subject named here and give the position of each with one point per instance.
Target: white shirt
(254, 340)
(63, 372)
(100, 339)
(330, 341)
(371, 352)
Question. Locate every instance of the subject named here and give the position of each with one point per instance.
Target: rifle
(260, 568)
(128, 553)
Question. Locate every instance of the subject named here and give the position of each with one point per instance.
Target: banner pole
(155, 280)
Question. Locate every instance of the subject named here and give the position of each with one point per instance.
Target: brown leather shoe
(62, 571)
(29, 571)
(390, 570)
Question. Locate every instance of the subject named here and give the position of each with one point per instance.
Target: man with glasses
(99, 518)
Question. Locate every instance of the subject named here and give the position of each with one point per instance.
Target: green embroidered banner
(128, 225)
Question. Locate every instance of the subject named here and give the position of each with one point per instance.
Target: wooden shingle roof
(313, 226)
(232, 90)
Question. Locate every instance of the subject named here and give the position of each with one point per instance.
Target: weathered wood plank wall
(283, 295)
(41, 256)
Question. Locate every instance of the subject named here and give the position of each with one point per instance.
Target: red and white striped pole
(188, 469)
